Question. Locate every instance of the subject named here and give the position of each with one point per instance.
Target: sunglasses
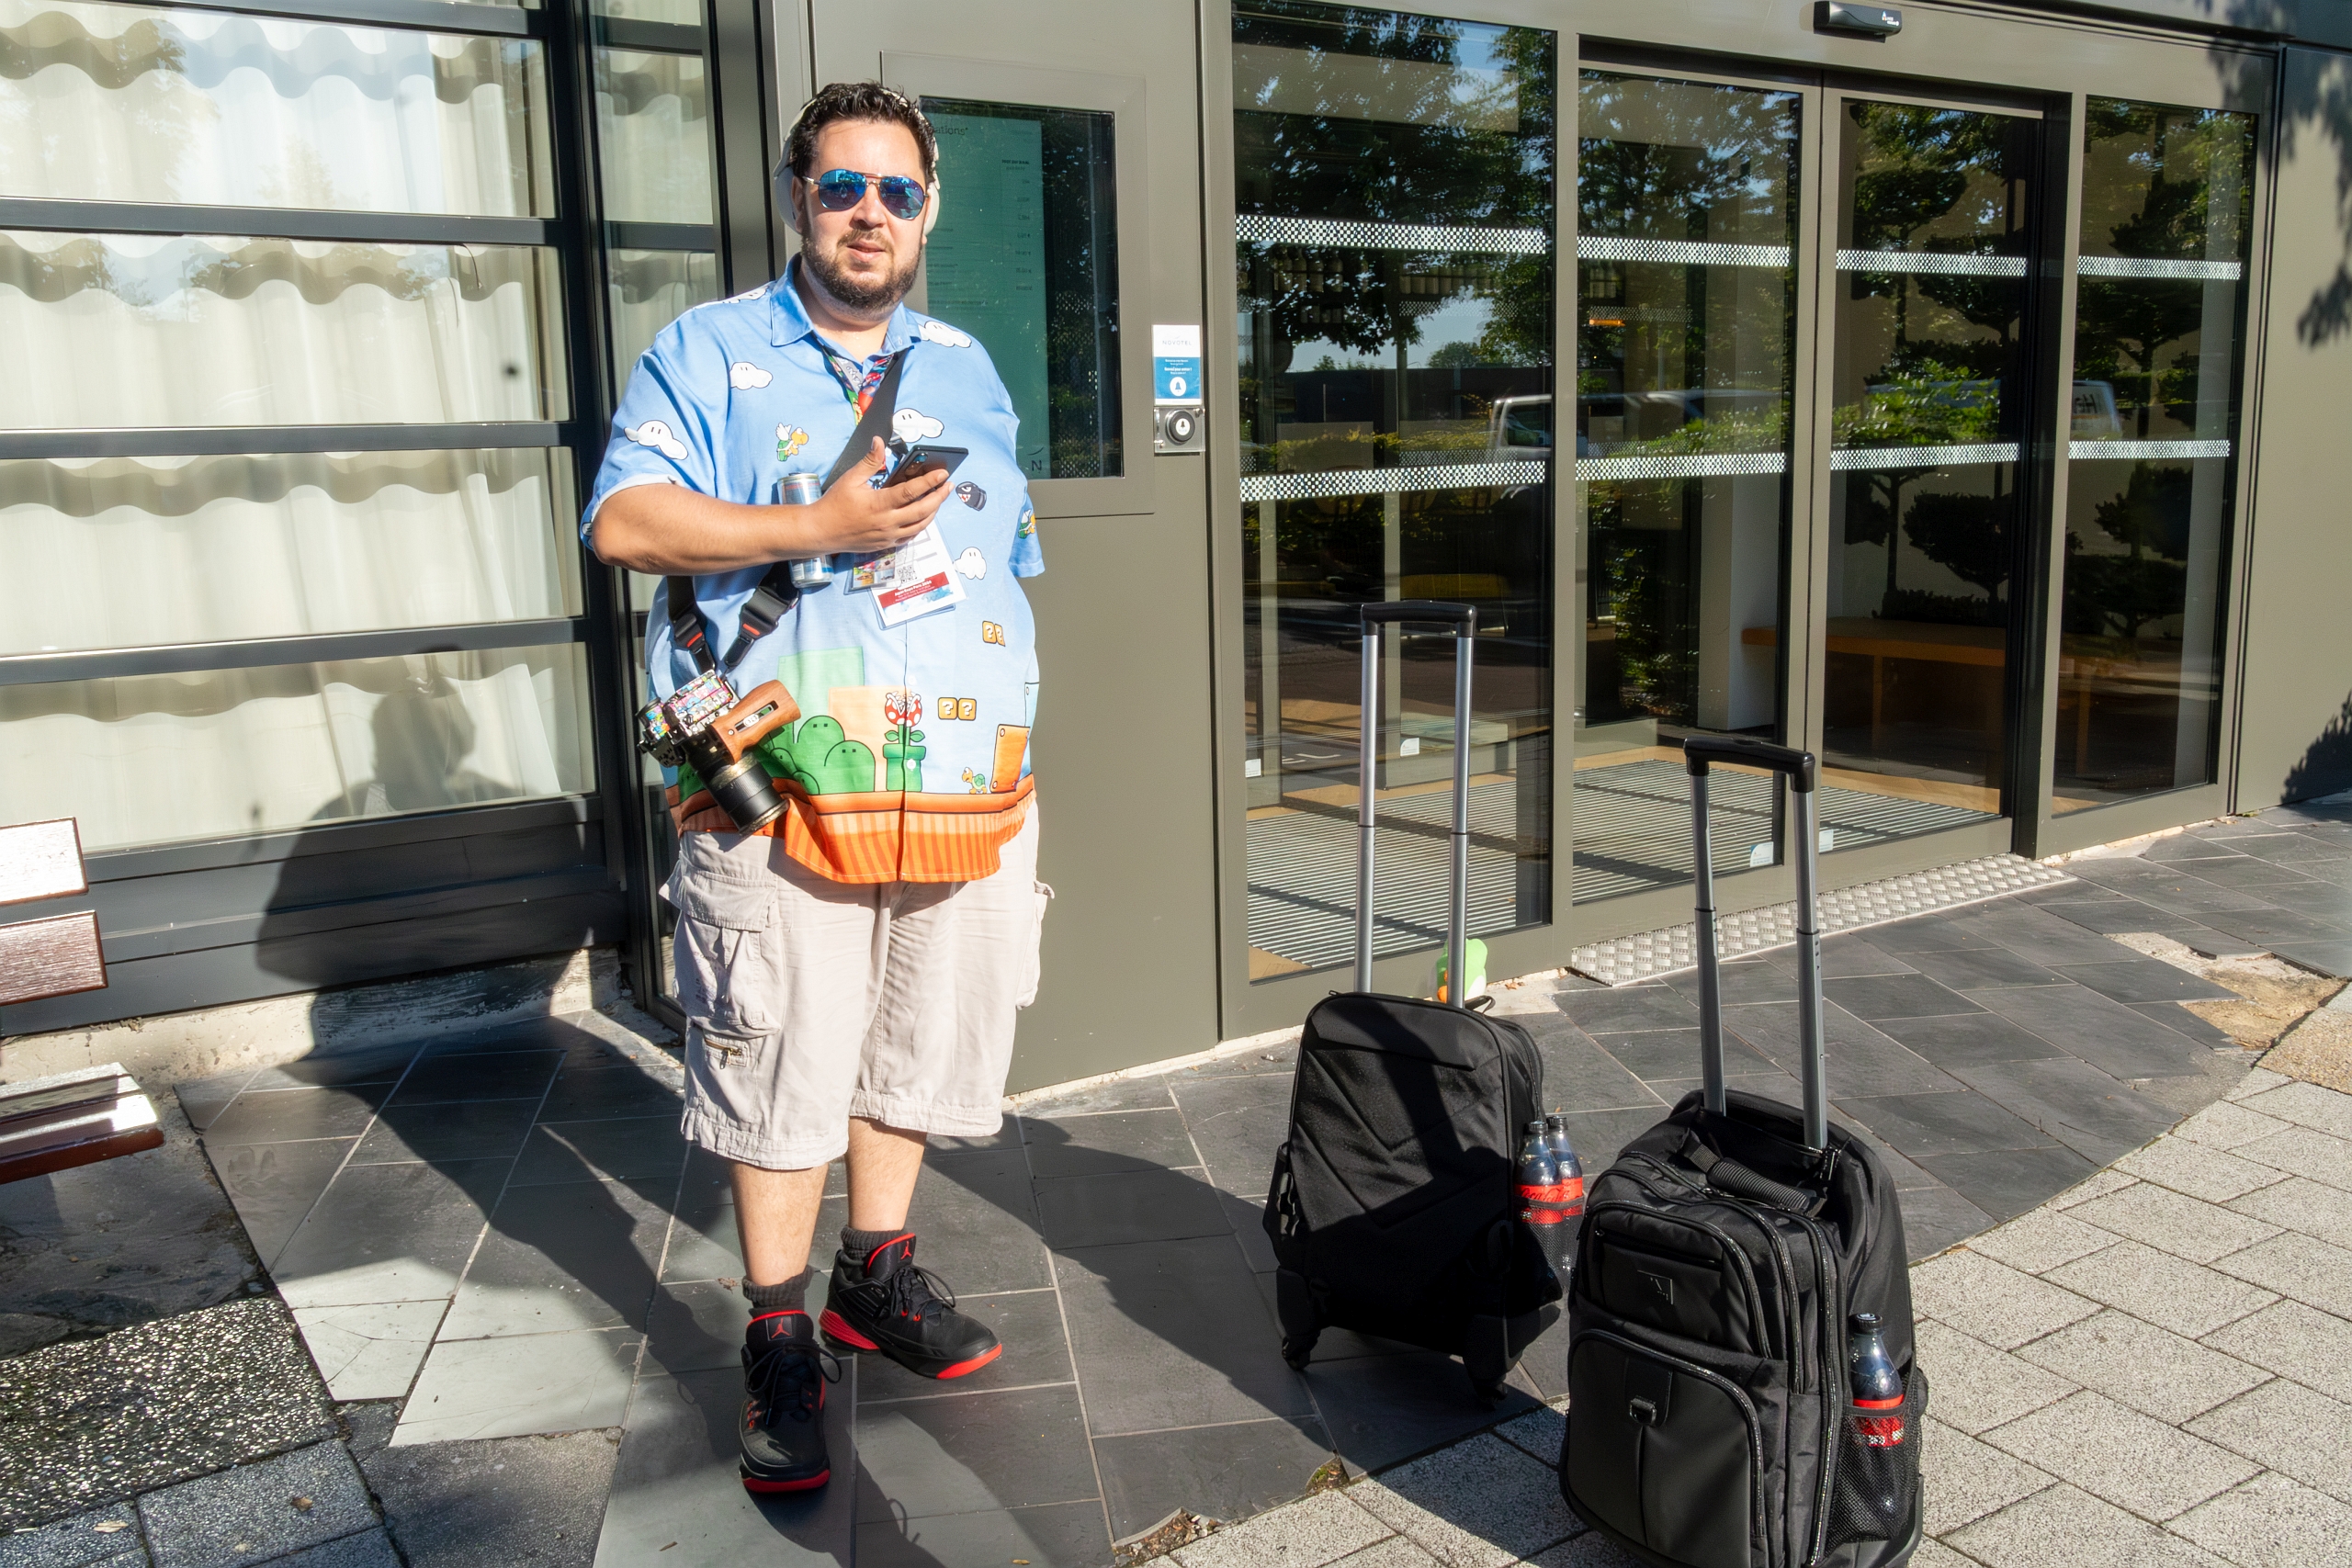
(838, 190)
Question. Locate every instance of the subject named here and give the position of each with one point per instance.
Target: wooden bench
(91, 1113)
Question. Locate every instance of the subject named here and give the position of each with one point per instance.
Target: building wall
(2295, 729)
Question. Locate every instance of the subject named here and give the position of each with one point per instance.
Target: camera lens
(746, 794)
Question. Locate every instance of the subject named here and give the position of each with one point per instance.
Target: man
(850, 971)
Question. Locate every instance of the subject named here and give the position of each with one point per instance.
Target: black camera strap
(777, 593)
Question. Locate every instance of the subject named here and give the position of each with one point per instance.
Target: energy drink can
(800, 489)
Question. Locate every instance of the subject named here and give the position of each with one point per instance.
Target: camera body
(705, 725)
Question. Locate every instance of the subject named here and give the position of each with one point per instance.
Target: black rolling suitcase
(1710, 1422)
(1394, 1205)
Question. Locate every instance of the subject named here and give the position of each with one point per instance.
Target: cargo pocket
(1032, 955)
(731, 973)
(1665, 1452)
(1877, 1489)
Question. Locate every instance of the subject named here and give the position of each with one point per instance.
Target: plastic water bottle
(1542, 1197)
(800, 489)
(1878, 1386)
(1564, 1155)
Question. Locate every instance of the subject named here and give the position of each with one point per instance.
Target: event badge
(911, 580)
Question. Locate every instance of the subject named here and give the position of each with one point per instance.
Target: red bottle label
(1886, 1431)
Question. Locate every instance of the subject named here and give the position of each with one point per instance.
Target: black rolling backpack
(1710, 1422)
(1395, 1204)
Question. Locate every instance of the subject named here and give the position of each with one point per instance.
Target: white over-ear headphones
(931, 191)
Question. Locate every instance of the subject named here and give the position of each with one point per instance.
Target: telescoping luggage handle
(1802, 772)
(1464, 619)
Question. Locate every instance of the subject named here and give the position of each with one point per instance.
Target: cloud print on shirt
(745, 377)
(914, 424)
(658, 435)
(940, 332)
(971, 563)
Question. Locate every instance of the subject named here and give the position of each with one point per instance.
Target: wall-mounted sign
(1176, 364)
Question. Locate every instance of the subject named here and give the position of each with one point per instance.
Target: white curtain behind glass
(650, 289)
(124, 103)
(653, 137)
(156, 759)
(122, 330)
(209, 549)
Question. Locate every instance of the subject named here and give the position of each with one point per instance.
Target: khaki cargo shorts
(810, 1001)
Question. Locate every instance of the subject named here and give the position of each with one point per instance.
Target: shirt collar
(788, 320)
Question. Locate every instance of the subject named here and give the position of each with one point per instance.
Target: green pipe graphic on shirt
(902, 759)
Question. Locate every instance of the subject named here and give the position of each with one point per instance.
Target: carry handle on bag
(1802, 773)
(1464, 619)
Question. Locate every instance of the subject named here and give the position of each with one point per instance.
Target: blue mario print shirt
(910, 760)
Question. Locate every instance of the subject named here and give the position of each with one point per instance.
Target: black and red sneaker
(785, 1374)
(886, 1303)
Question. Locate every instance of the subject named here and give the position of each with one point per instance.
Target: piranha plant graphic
(902, 751)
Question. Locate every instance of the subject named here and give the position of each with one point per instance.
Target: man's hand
(856, 516)
(665, 528)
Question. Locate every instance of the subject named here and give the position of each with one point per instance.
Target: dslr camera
(707, 726)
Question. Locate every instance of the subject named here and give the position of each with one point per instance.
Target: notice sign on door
(1176, 364)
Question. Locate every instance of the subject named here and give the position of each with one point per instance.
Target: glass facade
(1395, 182)
(1931, 407)
(1686, 299)
(2159, 324)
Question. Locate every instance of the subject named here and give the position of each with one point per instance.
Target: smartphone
(922, 460)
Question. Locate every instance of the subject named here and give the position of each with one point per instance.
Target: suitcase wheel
(1297, 1347)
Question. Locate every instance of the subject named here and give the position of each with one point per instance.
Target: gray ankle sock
(860, 1245)
(792, 1295)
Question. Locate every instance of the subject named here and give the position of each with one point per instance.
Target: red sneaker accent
(902, 1236)
(974, 1365)
(780, 1312)
(766, 1486)
(833, 1325)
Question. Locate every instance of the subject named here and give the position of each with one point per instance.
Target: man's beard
(850, 291)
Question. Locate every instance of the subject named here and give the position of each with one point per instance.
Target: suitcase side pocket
(1876, 1491)
(1666, 1453)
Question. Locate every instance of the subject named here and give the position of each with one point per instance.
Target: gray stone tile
(520, 1384)
(2300, 1205)
(1058, 1535)
(2156, 1372)
(1577, 1072)
(1929, 933)
(490, 1074)
(2257, 1080)
(1936, 1217)
(1028, 1324)
(287, 1115)
(2006, 1183)
(482, 1129)
(1873, 998)
(2312, 1346)
(676, 1492)
(274, 1185)
(2299, 1151)
(76, 1541)
(1148, 1092)
(1747, 980)
(2090, 1187)
(2045, 938)
(698, 1326)
(2042, 1240)
(1965, 1479)
(1599, 1136)
(1540, 1433)
(2272, 1522)
(577, 1254)
(2300, 1266)
(2107, 1035)
(1924, 1124)
(489, 1505)
(1108, 1141)
(1174, 1334)
(1320, 1531)
(257, 1511)
(1975, 1387)
(2185, 1228)
(1385, 1408)
(2061, 1527)
(1628, 1009)
(588, 1092)
(1982, 969)
(2291, 1429)
(2225, 1125)
(2145, 980)
(2215, 1175)
(2073, 1102)
(1969, 1038)
(2152, 1468)
(976, 1220)
(1399, 1551)
(1863, 1060)
(369, 1352)
(368, 1549)
(1993, 1301)
(923, 1457)
(626, 1148)
(1219, 1473)
(1659, 1053)
(1478, 1505)
(381, 1064)
(1130, 1207)
(2306, 1104)
(2158, 1288)
(1236, 1123)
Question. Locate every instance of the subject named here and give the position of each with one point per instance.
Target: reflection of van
(2095, 409)
(1520, 429)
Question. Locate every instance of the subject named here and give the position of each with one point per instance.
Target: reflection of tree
(1934, 404)
(2111, 594)
(1972, 538)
